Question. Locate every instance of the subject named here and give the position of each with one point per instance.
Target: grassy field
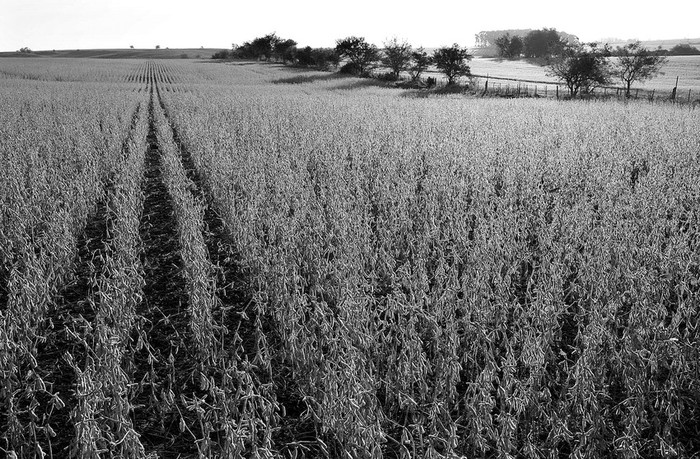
(227, 260)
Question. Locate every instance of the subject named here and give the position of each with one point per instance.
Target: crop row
(102, 416)
(54, 178)
(239, 410)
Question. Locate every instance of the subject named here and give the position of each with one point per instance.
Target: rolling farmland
(250, 261)
(686, 68)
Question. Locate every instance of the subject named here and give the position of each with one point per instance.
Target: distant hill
(653, 44)
(174, 53)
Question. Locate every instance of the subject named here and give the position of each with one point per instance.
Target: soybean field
(246, 260)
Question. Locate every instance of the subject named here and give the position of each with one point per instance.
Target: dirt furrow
(165, 373)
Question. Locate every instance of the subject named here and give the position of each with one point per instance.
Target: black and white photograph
(349, 230)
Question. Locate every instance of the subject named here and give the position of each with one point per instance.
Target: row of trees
(682, 49)
(531, 43)
(400, 56)
(548, 43)
(583, 67)
(267, 47)
(362, 57)
(544, 43)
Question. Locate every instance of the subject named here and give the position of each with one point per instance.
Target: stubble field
(206, 260)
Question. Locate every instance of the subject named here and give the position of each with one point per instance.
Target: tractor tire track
(165, 372)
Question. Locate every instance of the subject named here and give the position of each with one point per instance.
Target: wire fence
(486, 85)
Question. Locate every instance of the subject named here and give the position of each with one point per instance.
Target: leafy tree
(420, 61)
(157, 46)
(543, 43)
(284, 49)
(24, 50)
(397, 56)
(361, 54)
(509, 46)
(262, 47)
(131, 46)
(684, 49)
(267, 47)
(487, 38)
(516, 47)
(452, 61)
(503, 43)
(304, 57)
(581, 67)
(636, 63)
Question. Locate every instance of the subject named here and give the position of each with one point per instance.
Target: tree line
(582, 67)
(548, 42)
(359, 56)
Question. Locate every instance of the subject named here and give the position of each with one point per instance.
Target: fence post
(675, 88)
(689, 95)
(636, 94)
(557, 92)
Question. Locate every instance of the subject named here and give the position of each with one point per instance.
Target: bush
(350, 69)
(223, 54)
(304, 57)
(387, 76)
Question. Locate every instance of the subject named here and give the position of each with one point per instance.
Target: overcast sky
(84, 24)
